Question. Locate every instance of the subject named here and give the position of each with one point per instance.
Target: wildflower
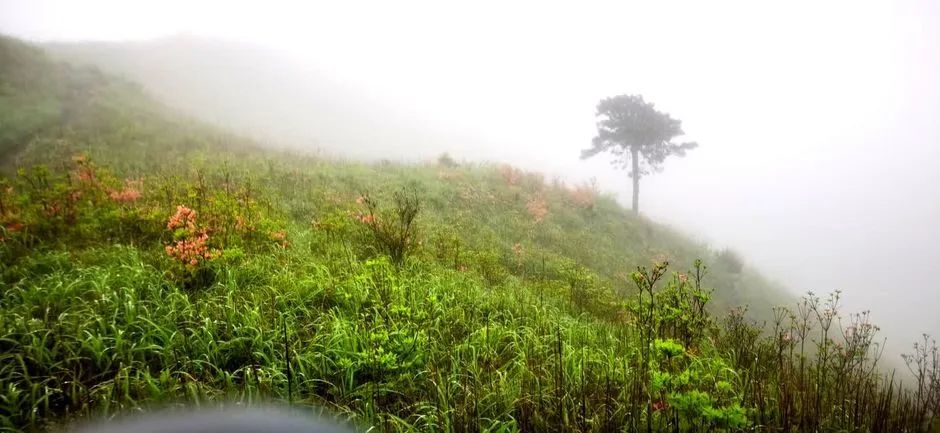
(683, 278)
(361, 200)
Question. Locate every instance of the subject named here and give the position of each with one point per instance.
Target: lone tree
(632, 130)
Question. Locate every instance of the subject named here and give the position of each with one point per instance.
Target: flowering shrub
(85, 170)
(130, 192)
(191, 243)
(184, 218)
(537, 208)
(471, 193)
(9, 222)
(584, 196)
(510, 174)
(242, 225)
(192, 251)
(280, 238)
(368, 216)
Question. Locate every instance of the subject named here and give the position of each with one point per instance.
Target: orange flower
(192, 251)
(184, 217)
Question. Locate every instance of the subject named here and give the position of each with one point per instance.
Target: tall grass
(302, 303)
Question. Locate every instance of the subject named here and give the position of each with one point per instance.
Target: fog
(819, 157)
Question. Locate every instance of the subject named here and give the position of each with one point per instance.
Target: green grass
(521, 305)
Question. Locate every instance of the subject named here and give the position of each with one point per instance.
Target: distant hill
(262, 93)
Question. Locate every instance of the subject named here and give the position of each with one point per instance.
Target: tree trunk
(635, 153)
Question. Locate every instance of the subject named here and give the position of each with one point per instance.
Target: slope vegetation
(150, 259)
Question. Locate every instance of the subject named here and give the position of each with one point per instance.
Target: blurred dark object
(264, 420)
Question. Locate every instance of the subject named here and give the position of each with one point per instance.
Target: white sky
(819, 152)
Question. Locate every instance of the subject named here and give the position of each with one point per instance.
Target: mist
(819, 155)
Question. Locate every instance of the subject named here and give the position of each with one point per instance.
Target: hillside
(148, 258)
(263, 93)
(599, 235)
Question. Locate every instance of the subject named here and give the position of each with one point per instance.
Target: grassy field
(148, 259)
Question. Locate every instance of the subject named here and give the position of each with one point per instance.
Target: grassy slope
(468, 333)
(133, 131)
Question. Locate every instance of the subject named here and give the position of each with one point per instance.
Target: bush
(394, 231)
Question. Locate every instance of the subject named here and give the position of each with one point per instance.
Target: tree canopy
(639, 136)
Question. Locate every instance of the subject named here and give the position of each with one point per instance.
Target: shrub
(190, 247)
(585, 195)
(537, 208)
(446, 160)
(490, 266)
(393, 231)
(510, 174)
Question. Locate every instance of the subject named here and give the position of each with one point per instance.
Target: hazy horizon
(819, 155)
